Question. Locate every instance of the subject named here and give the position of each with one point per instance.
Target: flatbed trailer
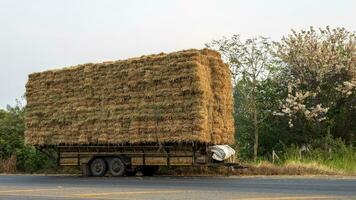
(120, 160)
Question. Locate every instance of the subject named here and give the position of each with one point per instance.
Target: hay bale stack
(178, 97)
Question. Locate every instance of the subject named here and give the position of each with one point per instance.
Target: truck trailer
(127, 160)
(134, 115)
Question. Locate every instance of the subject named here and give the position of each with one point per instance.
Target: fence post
(274, 156)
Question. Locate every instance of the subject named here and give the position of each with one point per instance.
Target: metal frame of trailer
(132, 158)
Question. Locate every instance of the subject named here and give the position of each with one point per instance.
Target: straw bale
(184, 96)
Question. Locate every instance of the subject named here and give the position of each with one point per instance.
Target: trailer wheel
(117, 167)
(148, 170)
(98, 167)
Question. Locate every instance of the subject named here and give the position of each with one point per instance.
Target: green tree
(250, 62)
(320, 71)
(12, 127)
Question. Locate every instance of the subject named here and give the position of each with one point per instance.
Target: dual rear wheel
(99, 166)
(117, 167)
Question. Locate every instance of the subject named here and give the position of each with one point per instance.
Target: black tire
(98, 167)
(117, 167)
(148, 170)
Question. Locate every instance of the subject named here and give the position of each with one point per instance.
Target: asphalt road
(109, 188)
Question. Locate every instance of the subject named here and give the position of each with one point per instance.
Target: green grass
(323, 156)
(339, 157)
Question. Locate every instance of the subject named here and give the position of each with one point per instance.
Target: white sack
(222, 152)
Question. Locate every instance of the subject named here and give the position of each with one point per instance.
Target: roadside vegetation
(294, 107)
(15, 156)
(295, 98)
(318, 161)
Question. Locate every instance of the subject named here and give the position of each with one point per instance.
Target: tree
(250, 63)
(12, 127)
(320, 71)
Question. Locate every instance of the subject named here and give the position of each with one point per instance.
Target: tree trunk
(254, 110)
(255, 123)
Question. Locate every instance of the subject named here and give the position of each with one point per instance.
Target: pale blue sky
(43, 34)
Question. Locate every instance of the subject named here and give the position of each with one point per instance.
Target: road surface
(21, 187)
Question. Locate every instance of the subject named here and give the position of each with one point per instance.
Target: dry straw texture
(178, 97)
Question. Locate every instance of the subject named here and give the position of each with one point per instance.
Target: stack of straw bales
(179, 97)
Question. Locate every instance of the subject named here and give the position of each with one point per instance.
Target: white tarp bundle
(222, 152)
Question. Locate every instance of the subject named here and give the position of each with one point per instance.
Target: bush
(31, 160)
(14, 154)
